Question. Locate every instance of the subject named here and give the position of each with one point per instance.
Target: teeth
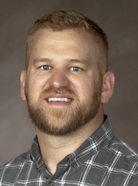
(59, 99)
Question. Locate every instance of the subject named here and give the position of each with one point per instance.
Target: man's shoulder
(18, 159)
(118, 146)
(15, 164)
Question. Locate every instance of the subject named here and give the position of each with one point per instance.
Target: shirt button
(52, 183)
(75, 166)
(32, 158)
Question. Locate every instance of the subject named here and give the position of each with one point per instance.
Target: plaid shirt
(102, 160)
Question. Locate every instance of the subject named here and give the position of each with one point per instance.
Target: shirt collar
(97, 140)
(35, 154)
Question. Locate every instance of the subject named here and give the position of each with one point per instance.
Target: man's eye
(75, 69)
(45, 67)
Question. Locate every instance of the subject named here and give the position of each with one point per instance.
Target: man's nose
(59, 79)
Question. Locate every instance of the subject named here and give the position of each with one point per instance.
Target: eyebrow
(41, 60)
(83, 61)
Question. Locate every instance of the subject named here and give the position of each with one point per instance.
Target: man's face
(63, 83)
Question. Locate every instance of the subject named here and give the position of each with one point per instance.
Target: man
(65, 84)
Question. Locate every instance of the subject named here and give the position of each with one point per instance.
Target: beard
(62, 121)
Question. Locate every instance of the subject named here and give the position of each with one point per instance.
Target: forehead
(65, 35)
(64, 42)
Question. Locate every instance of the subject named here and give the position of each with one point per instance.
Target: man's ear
(108, 86)
(22, 83)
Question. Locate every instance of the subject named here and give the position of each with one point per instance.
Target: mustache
(53, 91)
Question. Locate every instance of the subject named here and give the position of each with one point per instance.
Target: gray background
(119, 19)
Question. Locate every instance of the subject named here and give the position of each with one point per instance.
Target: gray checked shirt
(102, 160)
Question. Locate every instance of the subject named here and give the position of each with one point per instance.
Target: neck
(55, 148)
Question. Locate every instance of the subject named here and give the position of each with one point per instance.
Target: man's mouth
(59, 100)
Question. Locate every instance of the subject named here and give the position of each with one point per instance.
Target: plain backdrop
(118, 18)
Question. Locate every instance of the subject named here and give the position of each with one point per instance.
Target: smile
(59, 99)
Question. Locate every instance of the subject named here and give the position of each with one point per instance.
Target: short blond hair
(66, 19)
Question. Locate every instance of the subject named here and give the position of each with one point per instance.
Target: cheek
(34, 88)
(84, 88)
